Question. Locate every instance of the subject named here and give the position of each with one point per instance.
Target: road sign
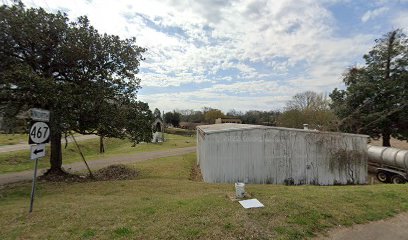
(39, 133)
(40, 115)
(37, 151)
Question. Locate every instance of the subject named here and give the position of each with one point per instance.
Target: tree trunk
(101, 145)
(386, 136)
(56, 153)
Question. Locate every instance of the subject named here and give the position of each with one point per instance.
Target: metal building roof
(228, 127)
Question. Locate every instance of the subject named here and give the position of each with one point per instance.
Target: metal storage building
(259, 154)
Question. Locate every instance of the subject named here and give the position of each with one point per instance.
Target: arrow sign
(37, 151)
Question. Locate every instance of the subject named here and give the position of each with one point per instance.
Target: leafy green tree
(190, 115)
(173, 118)
(138, 121)
(10, 122)
(375, 101)
(260, 117)
(292, 119)
(121, 119)
(211, 114)
(197, 117)
(83, 77)
(234, 113)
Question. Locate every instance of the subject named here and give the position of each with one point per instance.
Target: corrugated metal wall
(282, 156)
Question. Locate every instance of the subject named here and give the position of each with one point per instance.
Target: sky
(242, 55)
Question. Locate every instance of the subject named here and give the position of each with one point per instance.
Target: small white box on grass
(251, 203)
(239, 190)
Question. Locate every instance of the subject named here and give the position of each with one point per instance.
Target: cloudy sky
(248, 54)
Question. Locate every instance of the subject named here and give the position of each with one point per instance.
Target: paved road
(96, 164)
(25, 146)
(395, 228)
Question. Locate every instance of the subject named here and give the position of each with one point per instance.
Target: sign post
(39, 135)
(33, 186)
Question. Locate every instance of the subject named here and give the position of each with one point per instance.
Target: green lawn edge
(162, 203)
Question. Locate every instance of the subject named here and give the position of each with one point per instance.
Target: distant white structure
(260, 154)
(228, 120)
(158, 130)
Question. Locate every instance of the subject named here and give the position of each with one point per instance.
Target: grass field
(180, 131)
(395, 143)
(19, 160)
(11, 139)
(164, 204)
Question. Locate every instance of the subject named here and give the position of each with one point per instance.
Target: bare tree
(308, 100)
(308, 107)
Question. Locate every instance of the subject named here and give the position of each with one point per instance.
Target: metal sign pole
(33, 186)
(39, 134)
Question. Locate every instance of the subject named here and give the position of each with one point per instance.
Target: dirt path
(25, 146)
(96, 164)
(395, 228)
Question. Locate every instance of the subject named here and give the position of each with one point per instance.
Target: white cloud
(253, 88)
(373, 13)
(267, 49)
(400, 20)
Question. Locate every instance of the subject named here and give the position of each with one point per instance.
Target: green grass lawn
(19, 160)
(11, 139)
(164, 204)
(181, 131)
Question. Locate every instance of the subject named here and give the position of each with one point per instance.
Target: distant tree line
(307, 107)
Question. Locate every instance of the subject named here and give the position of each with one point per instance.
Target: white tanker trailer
(391, 163)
